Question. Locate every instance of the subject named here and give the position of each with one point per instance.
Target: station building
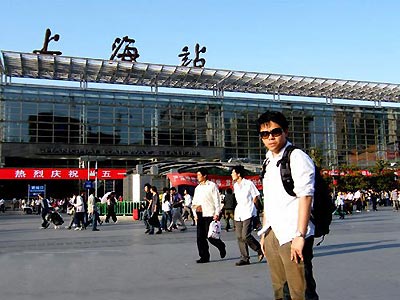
(57, 110)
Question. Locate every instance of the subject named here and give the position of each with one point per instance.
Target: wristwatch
(299, 234)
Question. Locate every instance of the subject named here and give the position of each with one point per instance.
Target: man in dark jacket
(44, 203)
(229, 207)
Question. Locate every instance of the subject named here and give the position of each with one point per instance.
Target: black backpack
(323, 207)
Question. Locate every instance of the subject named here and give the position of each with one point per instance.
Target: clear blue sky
(346, 39)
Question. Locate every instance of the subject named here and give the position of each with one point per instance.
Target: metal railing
(124, 208)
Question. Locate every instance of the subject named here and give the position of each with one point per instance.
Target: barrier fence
(124, 208)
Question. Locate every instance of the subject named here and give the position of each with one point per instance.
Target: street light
(96, 159)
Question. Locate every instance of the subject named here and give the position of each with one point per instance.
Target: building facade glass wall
(342, 135)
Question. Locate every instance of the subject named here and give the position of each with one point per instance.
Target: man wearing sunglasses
(287, 232)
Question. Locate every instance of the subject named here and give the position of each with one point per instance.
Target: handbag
(70, 210)
(153, 220)
(214, 231)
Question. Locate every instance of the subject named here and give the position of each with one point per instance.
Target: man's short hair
(272, 116)
(147, 185)
(239, 170)
(203, 171)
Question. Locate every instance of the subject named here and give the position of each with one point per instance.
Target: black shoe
(202, 261)
(242, 263)
(183, 229)
(147, 231)
(96, 229)
(159, 231)
(223, 252)
(151, 232)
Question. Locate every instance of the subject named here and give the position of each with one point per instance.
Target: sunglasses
(274, 132)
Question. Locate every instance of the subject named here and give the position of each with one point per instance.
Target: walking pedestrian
(177, 206)
(187, 207)
(155, 210)
(246, 195)
(229, 208)
(146, 204)
(166, 209)
(111, 202)
(206, 206)
(45, 205)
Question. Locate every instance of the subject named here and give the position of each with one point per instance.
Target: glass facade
(342, 135)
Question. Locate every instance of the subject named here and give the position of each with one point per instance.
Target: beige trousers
(282, 269)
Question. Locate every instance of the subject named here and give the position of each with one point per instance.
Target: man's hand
(216, 218)
(262, 243)
(296, 249)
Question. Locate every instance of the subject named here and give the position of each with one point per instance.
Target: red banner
(223, 182)
(60, 173)
(346, 172)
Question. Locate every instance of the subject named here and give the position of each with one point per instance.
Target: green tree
(316, 156)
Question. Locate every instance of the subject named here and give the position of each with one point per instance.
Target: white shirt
(166, 205)
(339, 200)
(188, 200)
(207, 195)
(79, 205)
(280, 208)
(245, 192)
(91, 204)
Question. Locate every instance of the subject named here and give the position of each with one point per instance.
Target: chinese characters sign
(60, 173)
(129, 53)
(123, 49)
(47, 39)
(197, 61)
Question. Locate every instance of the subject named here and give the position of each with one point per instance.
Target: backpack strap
(264, 168)
(286, 173)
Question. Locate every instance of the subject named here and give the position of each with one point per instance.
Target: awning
(41, 66)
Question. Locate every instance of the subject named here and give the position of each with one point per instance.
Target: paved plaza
(358, 260)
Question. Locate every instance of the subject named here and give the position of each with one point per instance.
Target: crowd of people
(83, 212)
(175, 209)
(364, 200)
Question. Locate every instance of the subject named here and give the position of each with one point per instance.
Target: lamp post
(334, 180)
(96, 159)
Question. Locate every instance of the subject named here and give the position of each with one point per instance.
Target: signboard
(88, 185)
(223, 182)
(34, 190)
(60, 174)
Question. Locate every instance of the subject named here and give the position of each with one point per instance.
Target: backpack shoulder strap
(264, 167)
(286, 173)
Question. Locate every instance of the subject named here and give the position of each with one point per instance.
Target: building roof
(40, 66)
